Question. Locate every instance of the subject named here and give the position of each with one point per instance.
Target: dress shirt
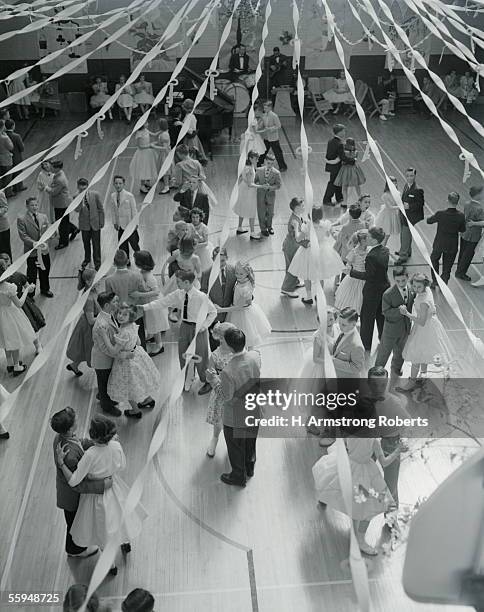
(194, 196)
(404, 293)
(241, 62)
(272, 125)
(196, 301)
(125, 211)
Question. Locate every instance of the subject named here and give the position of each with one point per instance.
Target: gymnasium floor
(206, 546)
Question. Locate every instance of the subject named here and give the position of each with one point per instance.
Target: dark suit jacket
(274, 180)
(18, 147)
(396, 325)
(376, 271)
(216, 295)
(234, 62)
(59, 193)
(414, 197)
(91, 216)
(334, 149)
(450, 222)
(68, 497)
(201, 201)
(29, 232)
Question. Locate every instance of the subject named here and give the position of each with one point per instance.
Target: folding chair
(320, 110)
(376, 107)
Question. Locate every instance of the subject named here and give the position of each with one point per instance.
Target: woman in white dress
(143, 167)
(100, 95)
(126, 98)
(203, 247)
(350, 291)
(255, 141)
(340, 94)
(327, 264)
(388, 217)
(155, 319)
(246, 205)
(428, 337)
(191, 138)
(144, 93)
(44, 179)
(100, 516)
(16, 331)
(22, 104)
(244, 313)
(134, 381)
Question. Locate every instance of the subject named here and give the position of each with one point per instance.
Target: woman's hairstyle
(363, 196)
(348, 313)
(5, 257)
(187, 245)
(350, 143)
(76, 596)
(182, 149)
(163, 124)
(87, 275)
(63, 420)
(44, 163)
(105, 297)
(139, 600)
(393, 180)
(251, 155)
(188, 103)
(3, 266)
(420, 277)
(197, 211)
(144, 261)
(132, 311)
(357, 237)
(219, 329)
(245, 265)
(295, 202)
(102, 430)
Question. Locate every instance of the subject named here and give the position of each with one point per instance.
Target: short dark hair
(120, 258)
(9, 124)
(348, 313)
(235, 338)
(377, 371)
(57, 164)
(139, 600)
(30, 199)
(82, 182)
(144, 260)
(275, 49)
(295, 202)
(63, 420)
(185, 276)
(354, 210)
(475, 190)
(453, 198)
(221, 250)
(410, 169)
(163, 124)
(118, 176)
(182, 149)
(105, 297)
(377, 233)
(399, 271)
(338, 128)
(102, 429)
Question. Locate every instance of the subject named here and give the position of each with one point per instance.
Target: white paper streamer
(100, 133)
(78, 151)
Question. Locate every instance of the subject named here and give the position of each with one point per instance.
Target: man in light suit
(397, 326)
(60, 200)
(240, 376)
(91, 221)
(270, 134)
(222, 291)
(347, 350)
(123, 210)
(191, 197)
(64, 424)
(102, 355)
(270, 177)
(30, 228)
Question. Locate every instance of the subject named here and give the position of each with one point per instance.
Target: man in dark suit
(450, 223)
(376, 283)
(413, 202)
(222, 291)
(240, 376)
(18, 149)
(396, 327)
(474, 216)
(239, 61)
(91, 222)
(279, 69)
(30, 228)
(334, 155)
(60, 200)
(64, 424)
(191, 197)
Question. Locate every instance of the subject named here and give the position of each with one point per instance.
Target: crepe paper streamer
(173, 83)
(212, 74)
(192, 357)
(299, 152)
(447, 293)
(435, 77)
(100, 133)
(40, 262)
(456, 20)
(428, 101)
(366, 154)
(78, 151)
(26, 9)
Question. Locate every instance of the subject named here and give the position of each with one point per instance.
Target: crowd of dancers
(125, 317)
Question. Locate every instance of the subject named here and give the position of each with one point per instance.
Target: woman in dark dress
(80, 343)
(30, 308)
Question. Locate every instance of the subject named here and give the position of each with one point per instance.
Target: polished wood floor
(205, 546)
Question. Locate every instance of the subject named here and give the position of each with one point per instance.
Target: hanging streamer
(456, 20)
(100, 133)
(78, 151)
(172, 84)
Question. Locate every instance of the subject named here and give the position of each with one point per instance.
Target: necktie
(193, 198)
(86, 203)
(36, 221)
(338, 340)
(405, 295)
(113, 319)
(185, 307)
(118, 199)
(224, 279)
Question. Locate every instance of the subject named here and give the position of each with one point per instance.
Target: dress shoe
(255, 236)
(478, 283)
(299, 285)
(158, 352)
(265, 233)
(400, 262)
(47, 294)
(126, 548)
(112, 410)
(61, 246)
(306, 302)
(18, 371)
(88, 552)
(74, 234)
(240, 232)
(147, 404)
(4, 436)
(75, 372)
(271, 231)
(227, 479)
(206, 388)
(250, 472)
(313, 430)
(465, 277)
(289, 294)
(133, 414)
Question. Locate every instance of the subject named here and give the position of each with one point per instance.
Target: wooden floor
(205, 546)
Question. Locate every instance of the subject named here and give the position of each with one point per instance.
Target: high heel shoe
(131, 414)
(75, 372)
(126, 548)
(147, 405)
(15, 372)
(113, 571)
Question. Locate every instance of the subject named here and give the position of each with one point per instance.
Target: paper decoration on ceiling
(318, 49)
(145, 35)
(246, 29)
(414, 28)
(59, 36)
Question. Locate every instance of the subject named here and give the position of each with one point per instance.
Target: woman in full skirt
(144, 93)
(44, 179)
(126, 98)
(143, 167)
(100, 516)
(203, 247)
(388, 217)
(246, 205)
(350, 290)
